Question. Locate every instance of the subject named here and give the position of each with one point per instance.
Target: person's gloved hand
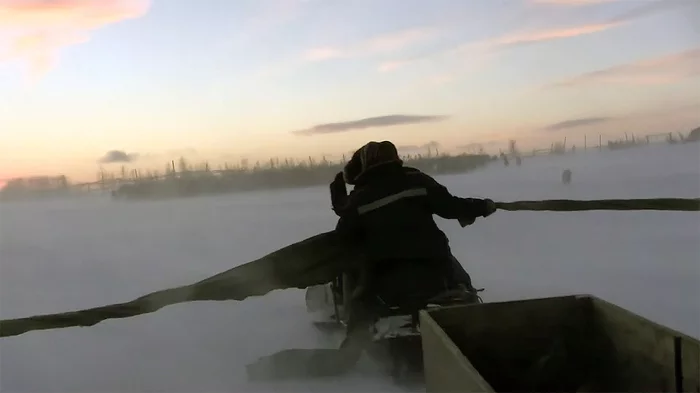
(339, 192)
(338, 180)
(463, 222)
(490, 207)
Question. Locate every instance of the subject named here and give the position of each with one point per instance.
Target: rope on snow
(567, 205)
(316, 260)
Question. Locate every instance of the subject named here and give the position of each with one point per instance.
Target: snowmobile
(396, 332)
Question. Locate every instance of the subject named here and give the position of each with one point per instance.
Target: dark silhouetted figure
(389, 214)
(504, 157)
(566, 176)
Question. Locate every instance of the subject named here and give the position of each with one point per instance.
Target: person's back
(391, 208)
(395, 216)
(390, 214)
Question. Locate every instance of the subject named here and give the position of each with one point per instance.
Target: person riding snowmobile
(389, 213)
(351, 175)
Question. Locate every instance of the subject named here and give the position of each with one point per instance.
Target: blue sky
(221, 80)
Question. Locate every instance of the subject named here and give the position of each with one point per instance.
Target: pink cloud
(384, 43)
(33, 31)
(646, 9)
(660, 70)
(521, 38)
(546, 35)
(392, 65)
(320, 54)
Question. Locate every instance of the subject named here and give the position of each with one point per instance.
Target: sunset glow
(90, 84)
(34, 31)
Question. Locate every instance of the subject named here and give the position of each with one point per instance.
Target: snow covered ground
(64, 255)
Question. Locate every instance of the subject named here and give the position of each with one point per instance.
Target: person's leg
(358, 334)
(462, 278)
(459, 274)
(307, 363)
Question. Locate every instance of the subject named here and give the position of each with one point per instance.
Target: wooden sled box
(563, 344)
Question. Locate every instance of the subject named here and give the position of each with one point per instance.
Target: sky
(90, 84)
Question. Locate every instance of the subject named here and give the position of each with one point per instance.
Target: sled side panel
(498, 346)
(648, 356)
(445, 366)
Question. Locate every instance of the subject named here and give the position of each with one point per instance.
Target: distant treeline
(35, 187)
(190, 181)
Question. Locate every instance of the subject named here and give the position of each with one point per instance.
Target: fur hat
(369, 156)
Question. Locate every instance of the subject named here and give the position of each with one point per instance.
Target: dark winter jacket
(390, 212)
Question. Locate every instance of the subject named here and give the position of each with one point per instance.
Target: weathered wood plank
(643, 351)
(571, 343)
(447, 370)
(691, 364)
(521, 344)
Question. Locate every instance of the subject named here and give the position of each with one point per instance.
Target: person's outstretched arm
(451, 207)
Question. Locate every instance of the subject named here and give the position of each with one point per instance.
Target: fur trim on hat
(376, 154)
(369, 156)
